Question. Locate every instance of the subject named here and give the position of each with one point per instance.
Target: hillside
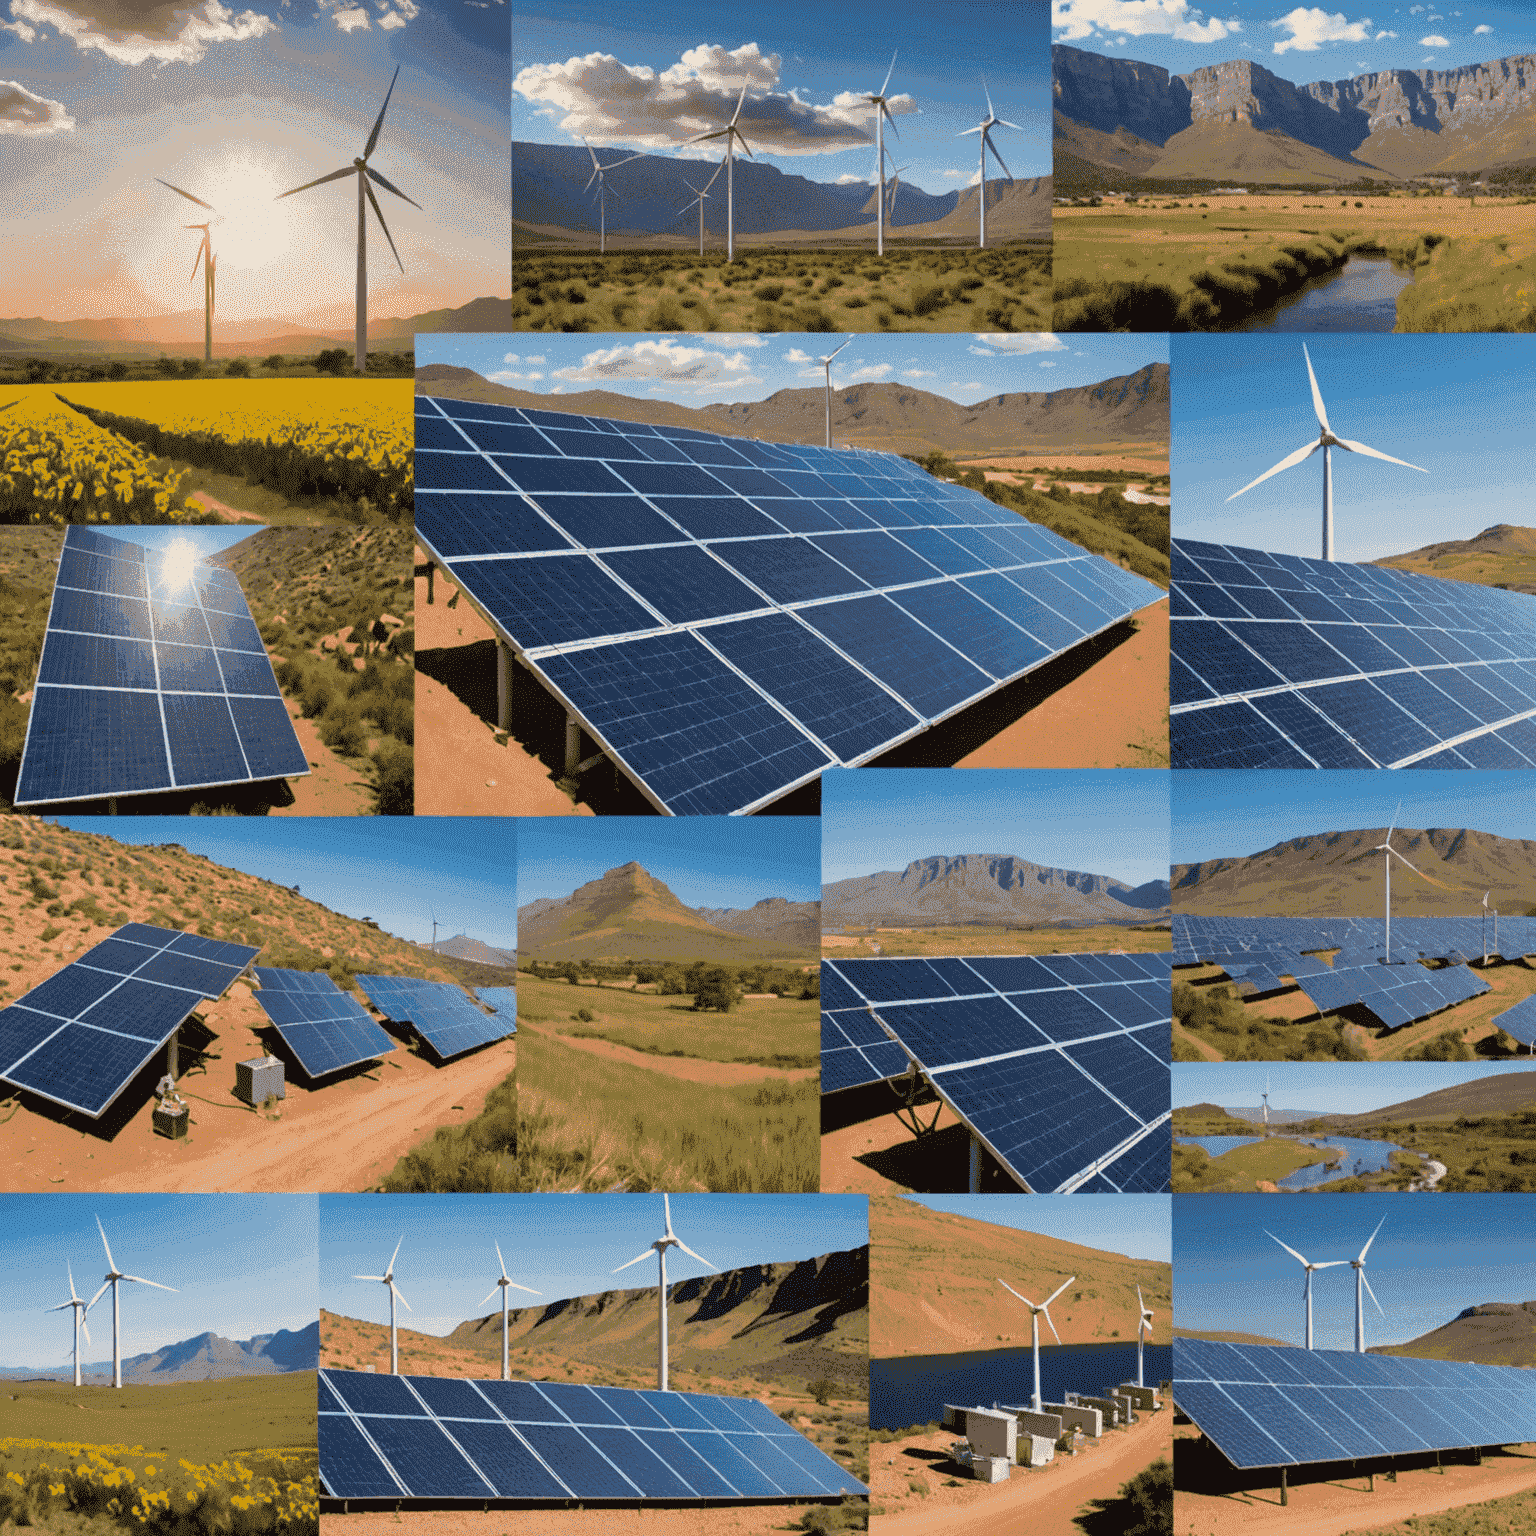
(207, 1357)
(1218, 1337)
(1496, 1333)
(993, 889)
(1499, 1093)
(1337, 874)
(1501, 556)
(628, 912)
(935, 1290)
(462, 947)
(797, 923)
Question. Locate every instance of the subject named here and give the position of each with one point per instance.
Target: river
(1361, 1156)
(1359, 296)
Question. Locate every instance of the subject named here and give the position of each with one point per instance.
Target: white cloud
(136, 31)
(21, 29)
(25, 115)
(353, 20)
(870, 371)
(1379, 37)
(390, 20)
(1074, 20)
(1047, 363)
(795, 355)
(982, 351)
(1021, 341)
(506, 376)
(1434, 40)
(917, 373)
(972, 385)
(847, 179)
(732, 339)
(663, 358)
(533, 360)
(1417, 10)
(957, 175)
(1481, 31)
(1311, 27)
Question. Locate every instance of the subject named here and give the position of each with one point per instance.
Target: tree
(191, 367)
(716, 989)
(237, 368)
(333, 360)
(117, 370)
(274, 362)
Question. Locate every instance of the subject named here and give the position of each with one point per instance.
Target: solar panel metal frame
(321, 987)
(88, 541)
(532, 655)
(411, 1000)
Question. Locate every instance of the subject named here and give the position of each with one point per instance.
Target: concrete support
(1285, 1497)
(1123, 1404)
(111, 805)
(504, 667)
(572, 746)
(975, 1181)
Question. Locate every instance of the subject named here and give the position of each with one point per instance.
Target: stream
(1359, 296)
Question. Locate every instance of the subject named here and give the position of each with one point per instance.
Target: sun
(251, 228)
(177, 562)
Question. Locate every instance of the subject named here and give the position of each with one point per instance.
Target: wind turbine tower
(877, 99)
(1388, 853)
(114, 1275)
(1327, 442)
(732, 136)
(80, 1308)
(1266, 1104)
(205, 259)
(984, 128)
(1309, 1266)
(600, 175)
(826, 363)
(698, 197)
(388, 1277)
(1143, 1325)
(1034, 1327)
(1358, 1265)
(668, 1239)
(504, 1285)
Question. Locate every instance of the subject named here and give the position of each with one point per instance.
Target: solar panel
(502, 1001)
(438, 1011)
(150, 679)
(324, 1027)
(82, 1036)
(1057, 1063)
(1519, 1022)
(438, 1438)
(729, 618)
(1266, 1406)
(1284, 662)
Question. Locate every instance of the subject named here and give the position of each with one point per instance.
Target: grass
(1213, 1014)
(967, 939)
(1485, 1152)
(1511, 1516)
(1241, 1169)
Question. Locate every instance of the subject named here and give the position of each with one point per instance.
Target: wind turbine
(365, 173)
(435, 925)
(1358, 1265)
(984, 128)
(1266, 1103)
(502, 1285)
(1309, 1266)
(1327, 442)
(1144, 1321)
(114, 1274)
(80, 1308)
(388, 1277)
(877, 99)
(1388, 853)
(208, 261)
(668, 1239)
(1034, 1327)
(599, 175)
(826, 363)
(698, 197)
(896, 175)
(732, 136)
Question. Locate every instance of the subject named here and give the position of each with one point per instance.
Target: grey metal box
(258, 1080)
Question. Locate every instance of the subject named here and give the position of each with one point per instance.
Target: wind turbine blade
(493, 1290)
(988, 94)
(389, 186)
(708, 184)
(370, 1277)
(1317, 394)
(319, 181)
(97, 1297)
(699, 1256)
(1376, 453)
(836, 351)
(501, 1261)
(666, 1211)
(1046, 1313)
(197, 261)
(886, 113)
(745, 146)
(1006, 124)
(968, 132)
(400, 1295)
(83, 1329)
(63, 1306)
(200, 203)
(516, 1287)
(70, 1272)
(595, 166)
(739, 101)
(1372, 1238)
(111, 1262)
(593, 177)
(647, 1254)
(1139, 1302)
(1372, 1294)
(1395, 815)
(1288, 462)
(986, 139)
(1330, 1264)
(140, 1280)
(889, 72)
(1059, 1289)
(1025, 1299)
(373, 138)
(395, 1255)
(1298, 1257)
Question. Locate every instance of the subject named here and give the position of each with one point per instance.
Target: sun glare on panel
(176, 564)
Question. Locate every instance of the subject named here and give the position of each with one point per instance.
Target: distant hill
(1495, 1333)
(1216, 1336)
(1501, 556)
(1276, 1116)
(1338, 874)
(207, 1357)
(796, 923)
(991, 889)
(628, 912)
(1499, 1093)
(462, 947)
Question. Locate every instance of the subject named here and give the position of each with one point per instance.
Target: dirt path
(1206, 1050)
(689, 1069)
(223, 508)
(332, 787)
(842, 1172)
(763, 1520)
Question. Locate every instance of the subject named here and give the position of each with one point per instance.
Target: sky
(1302, 43)
(242, 1265)
(1099, 821)
(649, 78)
(1329, 1087)
(205, 541)
(396, 870)
(1461, 408)
(1135, 1225)
(236, 105)
(1432, 1259)
(723, 368)
(560, 1245)
(733, 861)
(1220, 814)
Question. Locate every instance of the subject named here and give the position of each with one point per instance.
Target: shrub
(821, 1389)
(237, 368)
(396, 791)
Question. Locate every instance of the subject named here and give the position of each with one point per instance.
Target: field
(977, 940)
(1171, 263)
(1006, 288)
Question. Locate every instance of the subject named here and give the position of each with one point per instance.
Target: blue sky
(394, 870)
(1135, 1225)
(561, 1245)
(707, 862)
(241, 1264)
(1217, 814)
(268, 95)
(1432, 1258)
(1302, 43)
(1100, 821)
(1330, 1087)
(708, 368)
(669, 71)
(1461, 408)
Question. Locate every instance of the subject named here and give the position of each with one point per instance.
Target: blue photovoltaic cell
(468, 524)
(1519, 1022)
(324, 1027)
(439, 1012)
(503, 1000)
(683, 582)
(552, 599)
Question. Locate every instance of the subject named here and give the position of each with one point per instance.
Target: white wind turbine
(1266, 1103)
(896, 176)
(1388, 853)
(388, 1278)
(1034, 1327)
(208, 262)
(80, 1308)
(826, 363)
(984, 128)
(877, 99)
(364, 173)
(1142, 1322)
(503, 1285)
(1358, 1265)
(1309, 1266)
(114, 1274)
(732, 136)
(600, 176)
(668, 1239)
(1327, 442)
(698, 197)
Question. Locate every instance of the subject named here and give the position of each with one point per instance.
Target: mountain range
(895, 417)
(1339, 874)
(628, 912)
(1237, 119)
(207, 1357)
(1499, 1093)
(1495, 1333)
(998, 890)
(462, 947)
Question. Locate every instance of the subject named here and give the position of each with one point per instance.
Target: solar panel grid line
(522, 1439)
(438, 1420)
(1103, 1166)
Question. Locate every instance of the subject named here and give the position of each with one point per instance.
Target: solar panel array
(503, 1002)
(430, 1437)
(1519, 1022)
(1283, 662)
(438, 1011)
(1396, 994)
(730, 617)
(1265, 1406)
(151, 678)
(83, 1035)
(1212, 940)
(1057, 1063)
(325, 1028)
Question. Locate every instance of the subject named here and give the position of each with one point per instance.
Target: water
(1360, 1156)
(1216, 1145)
(914, 1389)
(1359, 296)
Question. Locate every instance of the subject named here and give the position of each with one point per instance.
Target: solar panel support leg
(1439, 1465)
(172, 1056)
(1370, 1482)
(975, 1171)
(572, 746)
(1285, 1497)
(1392, 1471)
(431, 570)
(503, 687)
